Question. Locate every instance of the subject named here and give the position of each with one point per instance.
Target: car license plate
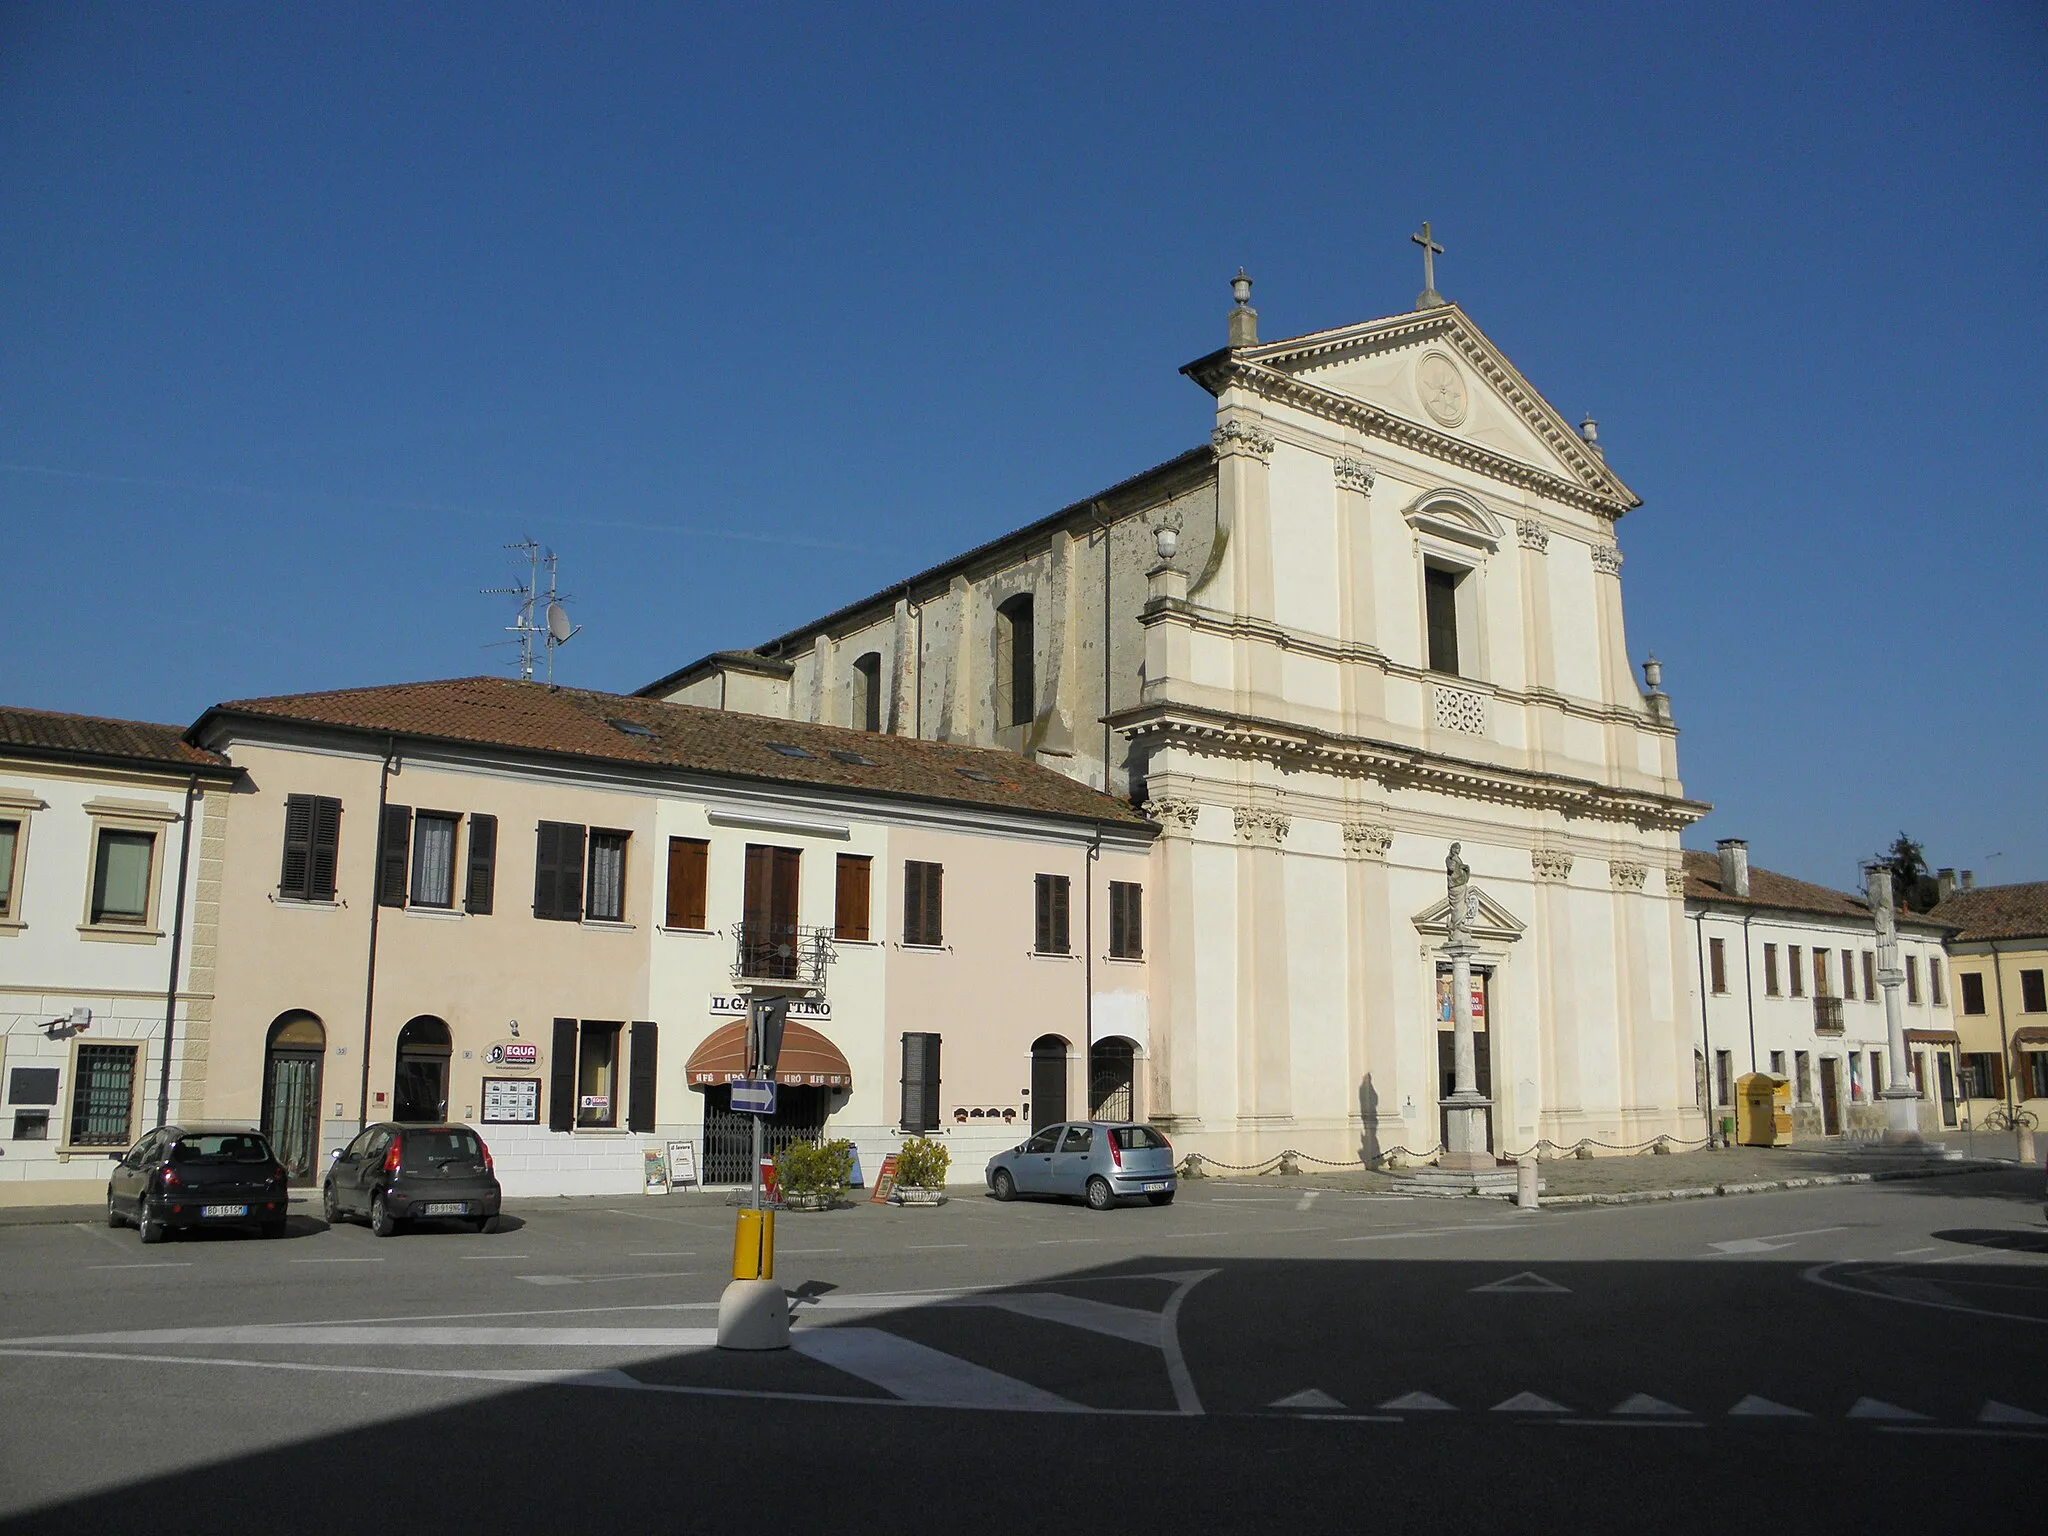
(1151, 1188)
(223, 1210)
(445, 1208)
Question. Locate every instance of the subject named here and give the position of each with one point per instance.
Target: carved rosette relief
(1261, 828)
(1367, 839)
(1176, 818)
(1627, 876)
(1533, 535)
(1551, 863)
(1242, 437)
(1607, 559)
(1354, 475)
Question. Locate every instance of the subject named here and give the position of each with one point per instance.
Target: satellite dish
(560, 630)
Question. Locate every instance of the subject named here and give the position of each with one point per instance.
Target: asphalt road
(1872, 1355)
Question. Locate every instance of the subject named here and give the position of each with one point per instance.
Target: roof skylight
(631, 728)
(789, 749)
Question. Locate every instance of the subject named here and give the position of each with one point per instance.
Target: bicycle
(1999, 1118)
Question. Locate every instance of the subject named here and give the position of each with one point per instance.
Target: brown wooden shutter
(1132, 908)
(1869, 974)
(1717, 964)
(294, 878)
(1041, 939)
(392, 847)
(788, 870)
(920, 1081)
(546, 858)
(483, 865)
(913, 902)
(640, 1078)
(569, 873)
(1062, 938)
(325, 848)
(935, 913)
(562, 1078)
(850, 897)
(688, 860)
(1820, 973)
(757, 894)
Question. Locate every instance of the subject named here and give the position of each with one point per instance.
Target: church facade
(1378, 612)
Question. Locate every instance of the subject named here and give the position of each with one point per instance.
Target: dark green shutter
(562, 1077)
(569, 873)
(920, 1082)
(392, 847)
(934, 906)
(640, 1080)
(483, 864)
(292, 880)
(324, 849)
(546, 855)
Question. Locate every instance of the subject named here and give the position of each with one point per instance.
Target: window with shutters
(433, 859)
(851, 892)
(1798, 978)
(558, 871)
(2033, 992)
(1913, 979)
(1937, 987)
(1848, 973)
(605, 900)
(1440, 598)
(768, 940)
(1869, 974)
(1972, 983)
(479, 893)
(312, 843)
(393, 839)
(1820, 973)
(1771, 973)
(1050, 933)
(920, 1083)
(688, 862)
(1126, 920)
(1717, 964)
(923, 903)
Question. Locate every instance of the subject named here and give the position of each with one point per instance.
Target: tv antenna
(553, 627)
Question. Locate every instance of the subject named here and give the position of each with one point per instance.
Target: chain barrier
(1203, 1162)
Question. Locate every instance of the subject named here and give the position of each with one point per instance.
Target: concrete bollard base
(753, 1314)
(1525, 1184)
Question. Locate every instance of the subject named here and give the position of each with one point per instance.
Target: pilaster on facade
(1261, 827)
(1176, 817)
(1354, 474)
(1248, 439)
(1550, 864)
(1626, 874)
(1607, 559)
(1367, 839)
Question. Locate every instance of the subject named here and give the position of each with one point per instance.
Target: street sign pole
(754, 1006)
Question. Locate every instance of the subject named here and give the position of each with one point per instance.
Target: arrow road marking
(1763, 1408)
(1871, 1408)
(1419, 1402)
(1643, 1403)
(1529, 1282)
(2004, 1413)
(1768, 1244)
(1529, 1402)
(1311, 1397)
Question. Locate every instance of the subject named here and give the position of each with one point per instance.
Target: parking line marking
(925, 1247)
(162, 1264)
(491, 1258)
(1902, 1252)
(670, 1254)
(813, 1250)
(337, 1261)
(1380, 1237)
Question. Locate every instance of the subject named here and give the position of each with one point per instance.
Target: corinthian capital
(1354, 475)
(1533, 535)
(1242, 437)
(1551, 863)
(1626, 875)
(1367, 839)
(1261, 828)
(1607, 559)
(1176, 818)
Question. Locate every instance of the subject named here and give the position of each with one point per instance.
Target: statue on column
(1458, 882)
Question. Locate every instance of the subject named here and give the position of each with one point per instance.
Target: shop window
(1983, 1075)
(2037, 1074)
(583, 1087)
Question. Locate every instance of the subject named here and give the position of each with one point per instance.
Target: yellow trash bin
(1759, 1120)
(753, 1246)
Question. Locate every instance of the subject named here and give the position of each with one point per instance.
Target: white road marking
(930, 1247)
(1191, 1234)
(1308, 1397)
(1633, 1423)
(1382, 1237)
(1419, 1402)
(1129, 1323)
(1527, 1283)
(664, 1254)
(918, 1374)
(1903, 1252)
(1529, 1402)
(1307, 1199)
(1872, 1408)
(165, 1264)
(357, 1335)
(810, 1250)
(1769, 1244)
(336, 1261)
(494, 1258)
(1753, 1407)
(1248, 1200)
(2005, 1413)
(651, 1274)
(1643, 1403)
(1045, 1242)
(1818, 1276)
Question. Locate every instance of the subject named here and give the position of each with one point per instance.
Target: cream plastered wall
(1981, 1032)
(475, 972)
(53, 959)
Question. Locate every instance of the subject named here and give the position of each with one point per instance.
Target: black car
(395, 1173)
(198, 1176)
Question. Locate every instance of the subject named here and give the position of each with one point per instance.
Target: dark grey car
(392, 1174)
(181, 1176)
(1098, 1161)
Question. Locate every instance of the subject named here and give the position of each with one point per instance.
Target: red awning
(808, 1059)
(1933, 1037)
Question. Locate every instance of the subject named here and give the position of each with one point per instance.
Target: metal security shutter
(562, 1078)
(483, 865)
(640, 1078)
(920, 1082)
(392, 845)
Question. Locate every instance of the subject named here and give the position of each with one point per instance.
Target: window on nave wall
(1016, 662)
(867, 692)
(1440, 596)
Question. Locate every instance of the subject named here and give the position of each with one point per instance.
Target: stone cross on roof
(1429, 298)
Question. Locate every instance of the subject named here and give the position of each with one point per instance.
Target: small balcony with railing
(1827, 1015)
(785, 955)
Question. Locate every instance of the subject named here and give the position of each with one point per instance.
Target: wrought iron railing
(1827, 1015)
(782, 952)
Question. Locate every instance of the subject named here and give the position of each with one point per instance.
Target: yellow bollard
(753, 1246)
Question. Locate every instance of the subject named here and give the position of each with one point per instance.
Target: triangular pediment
(1442, 380)
(1493, 922)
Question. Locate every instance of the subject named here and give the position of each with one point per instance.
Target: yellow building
(1999, 956)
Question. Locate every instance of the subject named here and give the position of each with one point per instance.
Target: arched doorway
(293, 1054)
(1113, 1080)
(1048, 1081)
(419, 1091)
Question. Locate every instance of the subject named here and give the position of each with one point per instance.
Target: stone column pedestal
(1901, 1114)
(1465, 1145)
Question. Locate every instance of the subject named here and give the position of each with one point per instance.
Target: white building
(1377, 613)
(106, 975)
(1785, 982)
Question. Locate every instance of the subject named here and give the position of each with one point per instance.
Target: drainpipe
(2004, 1037)
(1699, 946)
(370, 978)
(1088, 972)
(1102, 521)
(163, 1086)
(1749, 989)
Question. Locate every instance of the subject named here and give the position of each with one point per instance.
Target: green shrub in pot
(922, 1164)
(815, 1168)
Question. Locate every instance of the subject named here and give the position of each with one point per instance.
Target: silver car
(1099, 1161)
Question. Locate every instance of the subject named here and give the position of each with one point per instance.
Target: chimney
(1969, 882)
(1244, 320)
(1944, 884)
(1734, 867)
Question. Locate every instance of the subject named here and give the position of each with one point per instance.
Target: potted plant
(921, 1172)
(813, 1175)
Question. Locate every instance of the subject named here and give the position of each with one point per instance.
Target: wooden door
(1830, 1096)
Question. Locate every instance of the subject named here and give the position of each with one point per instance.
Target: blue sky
(305, 311)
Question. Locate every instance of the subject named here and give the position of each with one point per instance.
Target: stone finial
(1244, 320)
(1653, 688)
(1589, 434)
(1242, 437)
(1166, 534)
(1354, 475)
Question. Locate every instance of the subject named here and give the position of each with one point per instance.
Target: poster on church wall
(1444, 1011)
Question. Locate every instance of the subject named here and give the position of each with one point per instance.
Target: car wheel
(330, 1208)
(1161, 1199)
(381, 1220)
(152, 1230)
(1002, 1186)
(1100, 1196)
(113, 1216)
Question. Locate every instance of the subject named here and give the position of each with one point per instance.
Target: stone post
(1901, 1098)
(1466, 1147)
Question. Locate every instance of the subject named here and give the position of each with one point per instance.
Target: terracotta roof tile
(1997, 911)
(627, 729)
(1780, 892)
(45, 733)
